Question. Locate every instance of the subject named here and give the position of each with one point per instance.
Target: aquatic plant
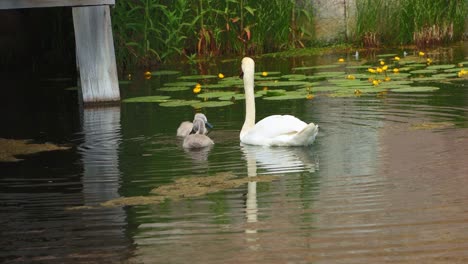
(422, 22)
(151, 31)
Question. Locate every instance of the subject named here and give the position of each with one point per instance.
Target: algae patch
(187, 187)
(11, 148)
(432, 125)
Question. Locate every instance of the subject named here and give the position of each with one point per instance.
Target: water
(371, 189)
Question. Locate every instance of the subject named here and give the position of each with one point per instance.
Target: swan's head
(248, 66)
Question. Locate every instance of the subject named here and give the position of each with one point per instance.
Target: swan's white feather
(281, 130)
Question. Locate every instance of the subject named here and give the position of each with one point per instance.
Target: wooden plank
(16, 4)
(95, 54)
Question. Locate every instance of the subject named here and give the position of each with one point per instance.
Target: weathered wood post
(95, 54)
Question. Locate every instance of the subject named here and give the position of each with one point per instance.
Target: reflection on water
(371, 189)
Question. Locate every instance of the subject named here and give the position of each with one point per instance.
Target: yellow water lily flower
(397, 58)
(264, 74)
(429, 61)
(379, 70)
(382, 62)
(396, 70)
(309, 97)
(357, 92)
(350, 77)
(220, 75)
(371, 70)
(385, 67)
(387, 79)
(421, 53)
(340, 60)
(375, 82)
(197, 88)
(462, 73)
(265, 88)
(147, 75)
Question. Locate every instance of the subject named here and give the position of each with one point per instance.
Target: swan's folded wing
(278, 125)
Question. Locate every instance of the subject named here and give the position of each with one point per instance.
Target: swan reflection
(280, 159)
(271, 160)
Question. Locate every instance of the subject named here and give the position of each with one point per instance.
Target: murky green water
(385, 180)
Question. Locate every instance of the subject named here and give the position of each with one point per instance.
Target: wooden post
(95, 54)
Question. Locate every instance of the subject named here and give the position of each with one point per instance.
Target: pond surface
(385, 181)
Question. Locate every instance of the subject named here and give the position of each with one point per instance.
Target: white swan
(275, 130)
(185, 128)
(197, 139)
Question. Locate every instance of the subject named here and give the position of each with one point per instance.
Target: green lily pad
(173, 89)
(349, 83)
(268, 73)
(324, 88)
(315, 67)
(281, 83)
(288, 96)
(177, 103)
(453, 70)
(387, 55)
(124, 82)
(359, 67)
(164, 72)
(147, 99)
(215, 94)
(181, 84)
(275, 92)
(440, 67)
(295, 77)
(236, 97)
(211, 104)
(445, 75)
(427, 79)
(423, 71)
(415, 89)
(197, 77)
(329, 74)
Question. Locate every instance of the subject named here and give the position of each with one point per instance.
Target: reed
(152, 31)
(422, 22)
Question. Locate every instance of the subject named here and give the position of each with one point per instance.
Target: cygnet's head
(202, 117)
(198, 127)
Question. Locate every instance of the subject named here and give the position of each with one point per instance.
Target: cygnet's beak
(208, 125)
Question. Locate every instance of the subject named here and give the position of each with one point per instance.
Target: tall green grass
(151, 31)
(423, 22)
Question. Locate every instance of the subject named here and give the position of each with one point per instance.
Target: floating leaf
(323, 88)
(440, 67)
(215, 94)
(294, 77)
(164, 72)
(423, 71)
(281, 83)
(387, 55)
(315, 67)
(275, 92)
(124, 82)
(173, 89)
(427, 79)
(147, 99)
(445, 75)
(269, 73)
(197, 77)
(176, 103)
(288, 96)
(415, 89)
(358, 67)
(212, 104)
(181, 84)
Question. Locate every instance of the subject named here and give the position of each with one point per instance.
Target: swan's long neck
(249, 100)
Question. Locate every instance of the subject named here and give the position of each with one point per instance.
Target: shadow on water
(384, 181)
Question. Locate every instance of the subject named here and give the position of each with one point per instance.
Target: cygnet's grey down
(197, 139)
(185, 128)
